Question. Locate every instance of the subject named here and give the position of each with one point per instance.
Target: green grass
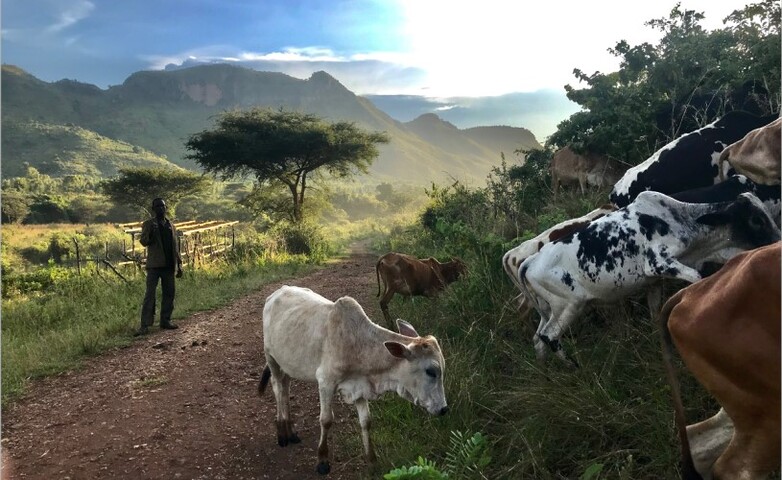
(49, 333)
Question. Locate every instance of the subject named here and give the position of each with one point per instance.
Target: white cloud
(71, 14)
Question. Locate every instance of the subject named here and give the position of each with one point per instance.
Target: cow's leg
(552, 331)
(708, 439)
(362, 406)
(281, 387)
(387, 296)
(673, 269)
(753, 452)
(326, 393)
(582, 180)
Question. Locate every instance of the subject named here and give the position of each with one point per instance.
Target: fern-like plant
(465, 459)
(468, 455)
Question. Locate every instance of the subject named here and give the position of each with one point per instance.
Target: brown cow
(568, 166)
(409, 276)
(727, 330)
(756, 156)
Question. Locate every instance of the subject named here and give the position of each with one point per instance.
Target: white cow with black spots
(654, 237)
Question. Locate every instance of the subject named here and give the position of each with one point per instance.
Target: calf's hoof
(323, 468)
(282, 441)
(294, 438)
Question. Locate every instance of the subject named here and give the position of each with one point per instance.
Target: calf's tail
(688, 466)
(265, 376)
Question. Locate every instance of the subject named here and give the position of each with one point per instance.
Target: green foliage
(138, 186)
(468, 455)
(423, 469)
(684, 82)
(303, 238)
(15, 206)
(466, 458)
(48, 209)
(283, 147)
(518, 193)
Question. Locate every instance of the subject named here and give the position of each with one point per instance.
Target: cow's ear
(398, 350)
(713, 219)
(406, 329)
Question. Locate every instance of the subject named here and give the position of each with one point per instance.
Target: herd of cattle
(709, 199)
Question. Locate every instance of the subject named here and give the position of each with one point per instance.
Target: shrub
(304, 238)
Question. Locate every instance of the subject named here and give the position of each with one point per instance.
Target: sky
(440, 53)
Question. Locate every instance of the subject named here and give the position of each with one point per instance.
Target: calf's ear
(406, 329)
(398, 350)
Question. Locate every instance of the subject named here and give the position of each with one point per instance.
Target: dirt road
(182, 403)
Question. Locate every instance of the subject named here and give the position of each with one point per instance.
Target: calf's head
(748, 221)
(420, 374)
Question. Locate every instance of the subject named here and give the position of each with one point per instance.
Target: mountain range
(70, 127)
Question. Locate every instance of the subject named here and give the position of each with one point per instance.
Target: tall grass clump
(611, 418)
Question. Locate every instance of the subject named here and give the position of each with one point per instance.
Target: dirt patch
(182, 403)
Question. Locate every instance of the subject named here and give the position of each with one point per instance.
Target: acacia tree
(283, 147)
(137, 187)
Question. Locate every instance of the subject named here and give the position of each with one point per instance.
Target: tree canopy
(686, 81)
(137, 187)
(281, 147)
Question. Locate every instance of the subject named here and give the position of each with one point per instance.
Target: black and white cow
(690, 161)
(654, 237)
(732, 187)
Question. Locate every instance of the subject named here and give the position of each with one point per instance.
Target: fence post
(78, 258)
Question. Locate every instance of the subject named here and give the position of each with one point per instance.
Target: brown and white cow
(410, 276)
(727, 331)
(307, 337)
(514, 257)
(756, 156)
(568, 166)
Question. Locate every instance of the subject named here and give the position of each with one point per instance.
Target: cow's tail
(688, 466)
(265, 376)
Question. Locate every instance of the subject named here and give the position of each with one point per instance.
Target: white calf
(335, 344)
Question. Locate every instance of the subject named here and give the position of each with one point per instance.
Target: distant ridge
(158, 110)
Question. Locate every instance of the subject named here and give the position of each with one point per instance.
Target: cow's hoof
(323, 468)
(282, 441)
(294, 438)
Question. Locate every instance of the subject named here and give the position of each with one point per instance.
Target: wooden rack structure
(197, 242)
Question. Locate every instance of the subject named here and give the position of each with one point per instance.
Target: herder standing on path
(159, 235)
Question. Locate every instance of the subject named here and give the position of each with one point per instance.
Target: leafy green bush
(466, 459)
(304, 238)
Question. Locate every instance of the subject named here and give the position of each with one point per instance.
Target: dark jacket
(151, 238)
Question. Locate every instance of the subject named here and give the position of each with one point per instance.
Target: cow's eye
(431, 372)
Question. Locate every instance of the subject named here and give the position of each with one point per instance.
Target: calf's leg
(362, 406)
(326, 393)
(281, 387)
